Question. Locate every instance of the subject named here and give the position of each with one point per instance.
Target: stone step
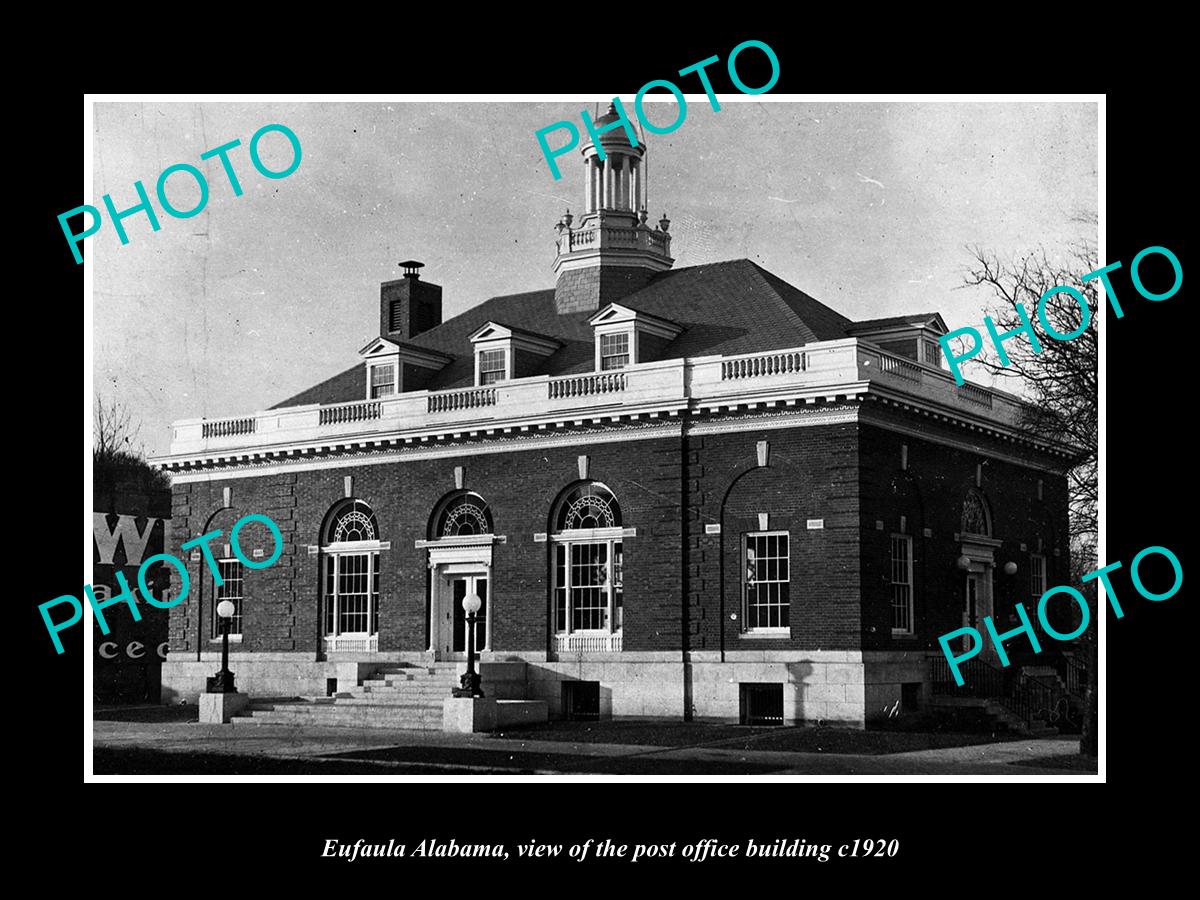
(362, 718)
(399, 702)
(366, 723)
(998, 714)
(349, 714)
(385, 682)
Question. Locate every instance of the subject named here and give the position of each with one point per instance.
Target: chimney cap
(410, 267)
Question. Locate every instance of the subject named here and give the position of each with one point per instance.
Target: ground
(162, 740)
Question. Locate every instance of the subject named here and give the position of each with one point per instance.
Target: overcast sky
(865, 206)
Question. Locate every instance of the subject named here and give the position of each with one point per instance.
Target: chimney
(408, 306)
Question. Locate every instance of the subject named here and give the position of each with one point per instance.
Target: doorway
(460, 588)
(971, 617)
(452, 584)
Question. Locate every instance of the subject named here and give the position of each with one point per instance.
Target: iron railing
(1074, 675)
(1024, 697)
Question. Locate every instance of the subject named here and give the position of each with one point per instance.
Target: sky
(868, 207)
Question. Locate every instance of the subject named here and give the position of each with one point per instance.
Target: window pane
(587, 596)
(231, 589)
(1037, 575)
(330, 599)
(901, 583)
(618, 586)
(492, 366)
(383, 380)
(614, 351)
(353, 592)
(766, 585)
(375, 594)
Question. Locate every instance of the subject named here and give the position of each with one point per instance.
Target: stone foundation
(847, 688)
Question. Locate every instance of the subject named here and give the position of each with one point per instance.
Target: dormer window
(625, 336)
(614, 350)
(383, 380)
(393, 367)
(502, 352)
(915, 337)
(493, 366)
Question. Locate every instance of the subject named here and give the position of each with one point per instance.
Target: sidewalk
(192, 748)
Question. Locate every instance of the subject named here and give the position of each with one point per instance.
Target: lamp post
(222, 682)
(470, 679)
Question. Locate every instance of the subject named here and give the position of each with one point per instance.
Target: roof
(724, 308)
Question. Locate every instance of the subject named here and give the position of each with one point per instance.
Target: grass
(140, 761)
(796, 739)
(1073, 762)
(149, 714)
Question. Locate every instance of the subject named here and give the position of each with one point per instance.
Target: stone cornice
(715, 393)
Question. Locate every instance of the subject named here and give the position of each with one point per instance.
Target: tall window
(614, 351)
(350, 584)
(493, 366)
(1037, 575)
(231, 590)
(902, 584)
(767, 581)
(383, 381)
(933, 353)
(588, 562)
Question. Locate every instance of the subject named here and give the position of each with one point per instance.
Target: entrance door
(461, 586)
(971, 613)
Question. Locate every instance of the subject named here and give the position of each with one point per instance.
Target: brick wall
(811, 474)
(930, 495)
(281, 604)
(682, 584)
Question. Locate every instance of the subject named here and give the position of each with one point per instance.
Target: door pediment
(478, 554)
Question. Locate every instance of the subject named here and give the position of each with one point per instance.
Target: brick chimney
(408, 306)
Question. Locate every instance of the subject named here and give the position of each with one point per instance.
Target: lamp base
(469, 686)
(221, 683)
(219, 708)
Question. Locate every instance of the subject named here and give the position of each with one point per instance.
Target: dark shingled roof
(724, 308)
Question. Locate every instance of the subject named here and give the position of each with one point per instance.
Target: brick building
(668, 487)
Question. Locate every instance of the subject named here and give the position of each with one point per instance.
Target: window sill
(904, 635)
(766, 633)
(233, 639)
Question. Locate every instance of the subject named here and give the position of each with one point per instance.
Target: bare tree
(116, 450)
(113, 434)
(1061, 381)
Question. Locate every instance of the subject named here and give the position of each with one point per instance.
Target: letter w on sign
(126, 531)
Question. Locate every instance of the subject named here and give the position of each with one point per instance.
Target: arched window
(463, 515)
(350, 578)
(587, 562)
(589, 505)
(976, 519)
